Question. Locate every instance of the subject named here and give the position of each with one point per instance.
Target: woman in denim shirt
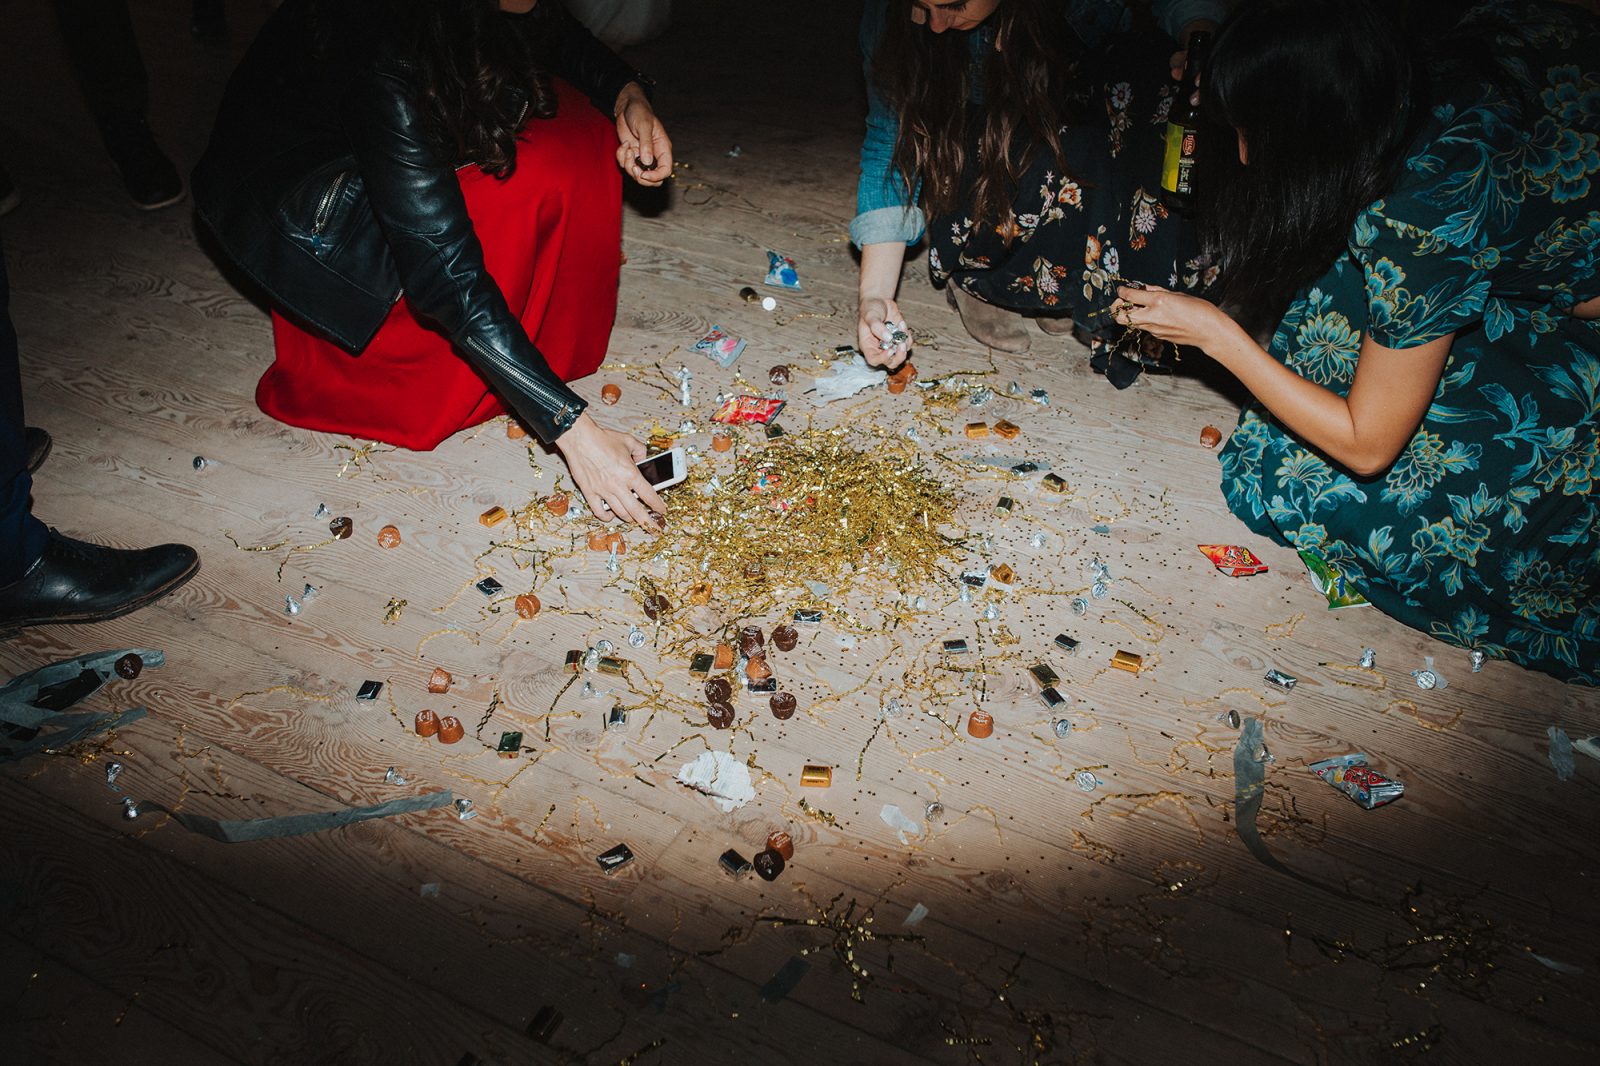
(1061, 168)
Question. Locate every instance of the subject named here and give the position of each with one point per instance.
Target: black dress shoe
(75, 581)
(36, 446)
(148, 175)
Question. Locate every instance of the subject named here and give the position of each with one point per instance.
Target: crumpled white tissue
(850, 375)
(722, 777)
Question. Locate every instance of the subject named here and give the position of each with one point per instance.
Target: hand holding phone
(664, 469)
(602, 463)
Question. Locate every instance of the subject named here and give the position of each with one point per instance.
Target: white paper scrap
(850, 375)
(722, 777)
(918, 913)
(896, 819)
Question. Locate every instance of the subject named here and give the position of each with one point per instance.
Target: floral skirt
(1076, 236)
(1486, 532)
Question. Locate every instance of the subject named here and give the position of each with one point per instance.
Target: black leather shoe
(36, 446)
(148, 175)
(75, 581)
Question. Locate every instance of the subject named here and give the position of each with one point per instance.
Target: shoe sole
(38, 460)
(159, 204)
(105, 616)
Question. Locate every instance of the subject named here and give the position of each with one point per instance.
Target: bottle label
(1169, 165)
(1177, 168)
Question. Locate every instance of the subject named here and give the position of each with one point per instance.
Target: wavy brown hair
(475, 67)
(1026, 82)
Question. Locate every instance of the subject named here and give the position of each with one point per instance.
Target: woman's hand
(602, 465)
(644, 152)
(1174, 317)
(876, 322)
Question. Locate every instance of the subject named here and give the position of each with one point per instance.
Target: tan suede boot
(1002, 330)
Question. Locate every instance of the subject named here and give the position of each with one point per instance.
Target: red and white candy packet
(1233, 560)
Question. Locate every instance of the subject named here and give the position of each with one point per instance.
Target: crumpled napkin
(722, 777)
(850, 375)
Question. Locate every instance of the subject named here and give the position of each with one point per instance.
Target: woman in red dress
(428, 191)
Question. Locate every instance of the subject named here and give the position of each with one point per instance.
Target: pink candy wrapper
(742, 410)
(1233, 560)
(1351, 775)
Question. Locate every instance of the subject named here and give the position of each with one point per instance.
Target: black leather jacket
(320, 185)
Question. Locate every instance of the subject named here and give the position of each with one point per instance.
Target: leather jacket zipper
(319, 221)
(551, 400)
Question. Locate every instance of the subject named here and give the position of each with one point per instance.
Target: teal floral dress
(1486, 531)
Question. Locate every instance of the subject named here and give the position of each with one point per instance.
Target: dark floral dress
(1486, 531)
(1075, 235)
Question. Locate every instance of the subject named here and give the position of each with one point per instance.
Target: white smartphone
(664, 469)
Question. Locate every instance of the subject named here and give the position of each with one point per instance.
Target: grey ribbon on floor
(38, 700)
(1249, 785)
(294, 825)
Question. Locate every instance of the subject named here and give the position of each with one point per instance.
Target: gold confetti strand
(544, 821)
(392, 613)
(1284, 629)
(1146, 800)
(1363, 671)
(448, 631)
(255, 548)
(1160, 630)
(862, 754)
(1252, 693)
(818, 814)
(494, 800)
(358, 457)
(1165, 764)
(1425, 722)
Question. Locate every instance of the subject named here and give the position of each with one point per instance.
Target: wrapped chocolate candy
(785, 637)
(718, 690)
(769, 864)
(751, 641)
(720, 715)
(783, 705)
(129, 666)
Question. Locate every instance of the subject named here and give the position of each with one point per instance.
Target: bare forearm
(1316, 415)
(880, 270)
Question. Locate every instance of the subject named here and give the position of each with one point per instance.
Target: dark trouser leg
(22, 536)
(99, 38)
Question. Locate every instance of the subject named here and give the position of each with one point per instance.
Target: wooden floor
(1127, 924)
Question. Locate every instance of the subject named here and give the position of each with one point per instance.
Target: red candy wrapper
(1351, 775)
(742, 410)
(1233, 560)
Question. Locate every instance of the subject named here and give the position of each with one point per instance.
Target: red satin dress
(551, 236)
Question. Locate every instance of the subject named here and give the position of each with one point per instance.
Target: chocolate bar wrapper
(720, 346)
(1351, 775)
(781, 272)
(1233, 560)
(746, 409)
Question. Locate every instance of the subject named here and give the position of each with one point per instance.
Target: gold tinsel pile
(821, 505)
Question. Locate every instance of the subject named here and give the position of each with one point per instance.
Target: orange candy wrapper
(1233, 560)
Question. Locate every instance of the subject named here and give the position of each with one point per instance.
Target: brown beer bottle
(1177, 169)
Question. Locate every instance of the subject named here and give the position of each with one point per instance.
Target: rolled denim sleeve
(1174, 15)
(885, 209)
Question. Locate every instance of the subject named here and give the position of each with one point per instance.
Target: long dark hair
(1328, 95)
(474, 67)
(927, 78)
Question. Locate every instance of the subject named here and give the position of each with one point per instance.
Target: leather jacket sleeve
(418, 203)
(578, 57)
